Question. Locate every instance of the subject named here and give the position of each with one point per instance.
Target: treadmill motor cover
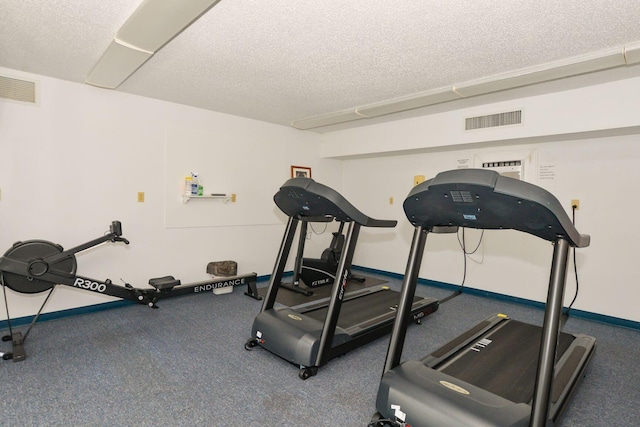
(483, 199)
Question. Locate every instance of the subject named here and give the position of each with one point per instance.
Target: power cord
(463, 245)
(575, 265)
(314, 230)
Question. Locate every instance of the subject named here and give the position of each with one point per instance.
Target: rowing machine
(36, 266)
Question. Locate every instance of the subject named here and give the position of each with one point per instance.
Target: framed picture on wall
(300, 172)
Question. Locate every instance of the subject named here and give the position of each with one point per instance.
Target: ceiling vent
(493, 120)
(17, 90)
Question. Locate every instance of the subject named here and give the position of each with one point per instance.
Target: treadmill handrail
(484, 199)
(308, 200)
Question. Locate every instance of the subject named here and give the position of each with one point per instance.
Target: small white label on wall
(463, 163)
(547, 172)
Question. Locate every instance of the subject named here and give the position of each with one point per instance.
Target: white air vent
(510, 168)
(17, 90)
(493, 120)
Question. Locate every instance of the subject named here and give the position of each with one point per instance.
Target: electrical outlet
(140, 196)
(233, 198)
(390, 200)
(576, 203)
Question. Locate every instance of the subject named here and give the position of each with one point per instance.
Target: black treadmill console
(483, 199)
(305, 199)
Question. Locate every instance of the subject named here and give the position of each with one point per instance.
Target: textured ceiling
(279, 61)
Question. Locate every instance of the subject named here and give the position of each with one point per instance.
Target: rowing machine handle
(116, 230)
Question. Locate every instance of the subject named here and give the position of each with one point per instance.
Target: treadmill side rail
(569, 370)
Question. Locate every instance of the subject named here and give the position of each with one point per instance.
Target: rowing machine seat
(164, 283)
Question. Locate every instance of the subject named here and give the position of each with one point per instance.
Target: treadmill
(501, 372)
(311, 334)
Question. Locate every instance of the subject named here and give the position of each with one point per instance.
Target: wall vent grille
(17, 90)
(493, 120)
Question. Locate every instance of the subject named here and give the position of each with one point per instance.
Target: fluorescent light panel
(117, 63)
(154, 24)
(632, 53)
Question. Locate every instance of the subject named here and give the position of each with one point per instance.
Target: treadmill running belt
(362, 309)
(504, 362)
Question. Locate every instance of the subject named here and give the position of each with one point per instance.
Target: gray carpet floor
(185, 365)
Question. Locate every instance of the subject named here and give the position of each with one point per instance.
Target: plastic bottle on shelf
(187, 185)
(194, 183)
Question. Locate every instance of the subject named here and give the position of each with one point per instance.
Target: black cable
(575, 265)
(463, 245)
(315, 232)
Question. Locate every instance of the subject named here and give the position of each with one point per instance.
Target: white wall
(77, 161)
(591, 153)
(606, 108)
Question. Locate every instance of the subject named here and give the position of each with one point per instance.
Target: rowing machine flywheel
(33, 253)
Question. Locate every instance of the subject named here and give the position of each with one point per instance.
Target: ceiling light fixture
(154, 24)
(592, 62)
(632, 53)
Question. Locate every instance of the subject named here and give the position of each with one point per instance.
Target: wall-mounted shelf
(224, 197)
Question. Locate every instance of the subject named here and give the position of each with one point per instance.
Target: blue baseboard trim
(54, 315)
(44, 317)
(610, 320)
(266, 277)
